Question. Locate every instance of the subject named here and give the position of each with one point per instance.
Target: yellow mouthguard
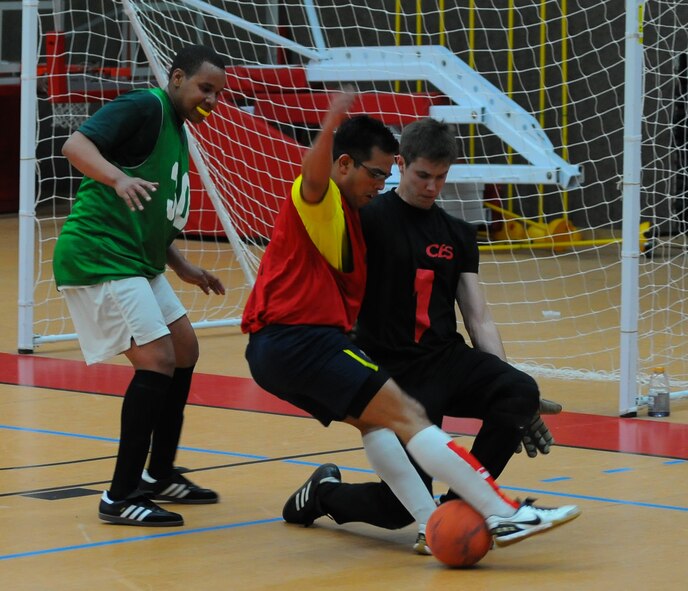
(202, 112)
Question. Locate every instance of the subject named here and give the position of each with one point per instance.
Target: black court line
(65, 463)
(290, 458)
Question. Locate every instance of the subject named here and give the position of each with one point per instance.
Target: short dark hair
(192, 57)
(430, 139)
(359, 135)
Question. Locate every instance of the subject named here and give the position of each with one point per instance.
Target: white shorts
(109, 315)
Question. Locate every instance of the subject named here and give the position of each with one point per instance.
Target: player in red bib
(307, 295)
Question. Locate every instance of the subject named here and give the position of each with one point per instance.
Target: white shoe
(421, 545)
(528, 520)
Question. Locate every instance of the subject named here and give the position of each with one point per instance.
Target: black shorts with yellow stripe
(316, 368)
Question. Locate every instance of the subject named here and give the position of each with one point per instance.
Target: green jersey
(102, 239)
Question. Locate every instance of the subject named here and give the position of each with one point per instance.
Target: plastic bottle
(658, 395)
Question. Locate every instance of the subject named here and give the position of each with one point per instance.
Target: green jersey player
(109, 263)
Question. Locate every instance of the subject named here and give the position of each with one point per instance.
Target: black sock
(369, 502)
(168, 426)
(139, 410)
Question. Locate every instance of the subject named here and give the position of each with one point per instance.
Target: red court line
(643, 436)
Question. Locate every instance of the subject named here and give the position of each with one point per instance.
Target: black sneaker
(176, 489)
(137, 510)
(303, 507)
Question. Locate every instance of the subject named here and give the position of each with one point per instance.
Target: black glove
(536, 436)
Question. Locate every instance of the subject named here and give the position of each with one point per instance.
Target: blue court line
(259, 457)
(61, 433)
(185, 532)
(534, 491)
(116, 440)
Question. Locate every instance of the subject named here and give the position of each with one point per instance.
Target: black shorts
(316, 368)
(460, 381)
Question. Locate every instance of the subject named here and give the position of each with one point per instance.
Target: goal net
(534, 89)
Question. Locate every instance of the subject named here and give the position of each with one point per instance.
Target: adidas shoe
(528, 520)
(136, 510)
(176, 489)
(302, 507)
(421, 545)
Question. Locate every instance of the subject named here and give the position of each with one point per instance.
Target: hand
(133, 189)
(198, 276)
(536, 436)
(339, 106)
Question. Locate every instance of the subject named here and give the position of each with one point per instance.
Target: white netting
(563, 63)
(69, 116)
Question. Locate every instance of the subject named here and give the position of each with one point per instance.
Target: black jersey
(415, 259)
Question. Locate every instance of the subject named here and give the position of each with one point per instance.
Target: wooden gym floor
(58, 438)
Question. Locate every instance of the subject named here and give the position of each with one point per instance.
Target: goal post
(630, 250)
(568, 116)
(27, 192)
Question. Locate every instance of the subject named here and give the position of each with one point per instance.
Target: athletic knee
(516, 400)
(413, 419)
(415, 409)
(164, 364)
(187, 357)
(186, 350)
(157, 356)
(185, 342)
(391, 407)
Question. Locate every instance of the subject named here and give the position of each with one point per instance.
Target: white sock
(388, 458)
(145, 476)
(437, 454)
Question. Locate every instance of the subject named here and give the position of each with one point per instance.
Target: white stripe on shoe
(136, 512)
(303, 496)
(178, 491)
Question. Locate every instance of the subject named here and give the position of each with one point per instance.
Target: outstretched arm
(85, 156)
(317, 163)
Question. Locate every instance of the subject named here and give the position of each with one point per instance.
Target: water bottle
(658, 395)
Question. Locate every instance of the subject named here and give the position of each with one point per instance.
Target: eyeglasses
(375, 173)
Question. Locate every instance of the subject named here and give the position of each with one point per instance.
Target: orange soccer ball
(457, 534)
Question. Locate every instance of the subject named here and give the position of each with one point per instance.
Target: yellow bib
(324, 221)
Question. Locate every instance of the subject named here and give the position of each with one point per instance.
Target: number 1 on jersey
(423, 290)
